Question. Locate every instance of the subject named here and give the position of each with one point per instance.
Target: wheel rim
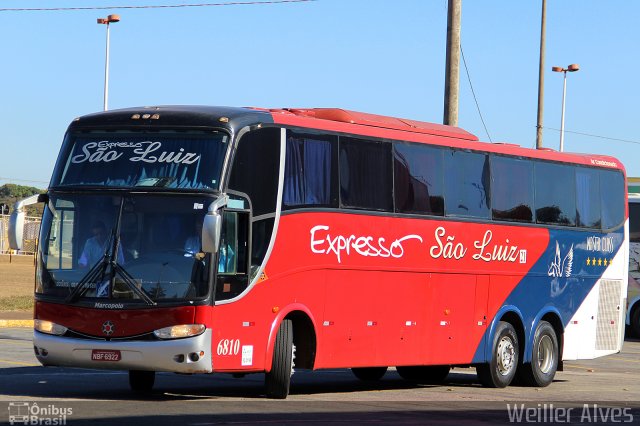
(545, 354)
(505, 356)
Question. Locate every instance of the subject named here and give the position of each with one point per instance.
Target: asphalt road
(601, 391)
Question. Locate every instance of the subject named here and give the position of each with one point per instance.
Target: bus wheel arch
(304, 339)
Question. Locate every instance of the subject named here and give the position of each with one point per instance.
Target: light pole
(570, 68)
(109, 19)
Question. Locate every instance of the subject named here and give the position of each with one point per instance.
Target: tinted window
(189, 159)
(511, 189)
(555, 194)
(255, 172)
(612, 195)
(310, 175)
(634, 222)
(418, 176)
(256, 167)
(588, 197)
(466, 184)
(366, 179)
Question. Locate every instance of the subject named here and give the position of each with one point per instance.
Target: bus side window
(255, 172)
(232, 260)
(612, 198)
(467, 185)
(227, 253)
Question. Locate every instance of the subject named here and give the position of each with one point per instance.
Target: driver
(95, 246)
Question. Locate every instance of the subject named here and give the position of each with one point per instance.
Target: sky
(378, 56)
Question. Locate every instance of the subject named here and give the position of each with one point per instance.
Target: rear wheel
(141, 381)
(278, 380)
(635, 321)
(500, 370)
(424, 374)
(544, 359)
(369, 373)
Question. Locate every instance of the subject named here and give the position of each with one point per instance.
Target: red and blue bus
(246, 240)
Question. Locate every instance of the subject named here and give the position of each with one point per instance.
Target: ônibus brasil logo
(30, 413)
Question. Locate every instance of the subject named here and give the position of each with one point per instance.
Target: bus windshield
(133, 248)
(161, 159)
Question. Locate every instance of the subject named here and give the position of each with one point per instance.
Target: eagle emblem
(561, 267)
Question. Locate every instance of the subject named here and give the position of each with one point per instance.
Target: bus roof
(328, 119)
(381, 121)
(335, 119)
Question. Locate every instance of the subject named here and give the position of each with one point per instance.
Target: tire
(544, 358)
(635, 321)
(501, 369)
(278, 380)
(141, 381)
(424, 374)
(369, 373)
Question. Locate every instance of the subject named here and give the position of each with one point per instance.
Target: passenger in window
(96, 246)
(226, 257)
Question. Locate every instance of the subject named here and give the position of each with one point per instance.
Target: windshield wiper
(131, 282)
(97, 270)
(110, 258)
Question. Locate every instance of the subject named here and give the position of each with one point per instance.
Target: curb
(16, 323)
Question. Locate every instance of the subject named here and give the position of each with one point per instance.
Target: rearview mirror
(16, 220)
(212, 225)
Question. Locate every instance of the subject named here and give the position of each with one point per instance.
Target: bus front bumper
(188, 355)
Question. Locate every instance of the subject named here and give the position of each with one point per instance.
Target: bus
(197, 239)
(633, 293)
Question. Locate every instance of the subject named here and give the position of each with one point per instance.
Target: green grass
(16, 303)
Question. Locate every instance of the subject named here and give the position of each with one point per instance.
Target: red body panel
(407, 301)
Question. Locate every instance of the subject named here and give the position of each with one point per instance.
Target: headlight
(49, 327)
(180, 331)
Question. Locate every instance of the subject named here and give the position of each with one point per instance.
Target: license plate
(105, 355)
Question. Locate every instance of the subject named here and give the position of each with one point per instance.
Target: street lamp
(109, 19)
(570, 68)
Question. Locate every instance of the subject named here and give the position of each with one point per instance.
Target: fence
(29, 235)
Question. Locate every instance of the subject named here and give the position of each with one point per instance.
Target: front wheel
(500, 370)
(544, 359)
(141, 381)
(278, 380)
(369, 373)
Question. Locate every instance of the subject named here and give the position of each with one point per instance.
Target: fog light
(179, 358)
(194, 357)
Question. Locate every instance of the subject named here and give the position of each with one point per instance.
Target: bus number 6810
(228, 347)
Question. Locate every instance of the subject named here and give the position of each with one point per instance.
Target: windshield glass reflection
(132, 248)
